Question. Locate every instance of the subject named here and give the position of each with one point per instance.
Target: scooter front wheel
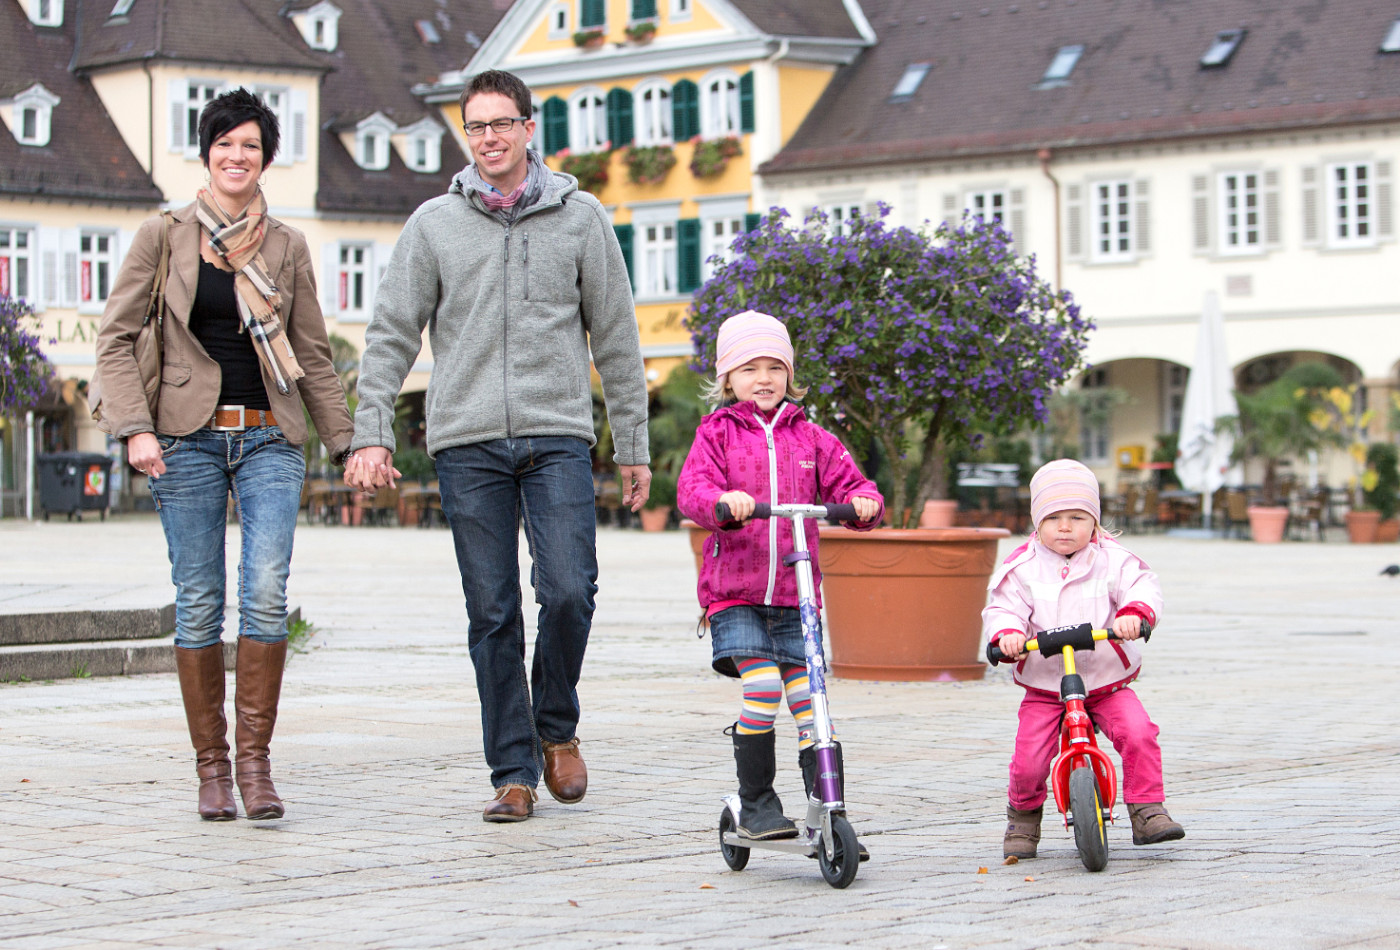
(840, 870)
(1090, 835)
(736, 857)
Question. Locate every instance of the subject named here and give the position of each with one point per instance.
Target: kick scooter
(1083, 779)
(825, 833)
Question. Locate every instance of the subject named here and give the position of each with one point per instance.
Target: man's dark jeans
(488, 489)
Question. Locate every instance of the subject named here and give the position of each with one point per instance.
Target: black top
(215, 323)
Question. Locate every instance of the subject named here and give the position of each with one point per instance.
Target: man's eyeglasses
(497, 125)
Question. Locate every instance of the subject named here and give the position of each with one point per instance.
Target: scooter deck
(799, 845)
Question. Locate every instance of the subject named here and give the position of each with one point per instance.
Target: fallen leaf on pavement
(1030, 878)
(707, 887)
(573, 903)
(981, 870)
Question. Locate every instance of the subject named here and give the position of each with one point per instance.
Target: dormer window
(46, 12)
(1391, 43)
(1061, 66)
(372, 142)
(422, 146)
(1226, 42)
(32, 115)
(319, 26)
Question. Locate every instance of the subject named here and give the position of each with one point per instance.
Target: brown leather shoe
(565, 775)
(512, 803)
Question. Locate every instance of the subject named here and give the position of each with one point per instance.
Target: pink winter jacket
(1035, 589)
(787, 461)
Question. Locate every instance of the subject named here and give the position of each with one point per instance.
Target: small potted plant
(711, 156)
(649, 164)
(591, 38)
(657, 511)
(1381, 488)
(643, 31)
(674, 413)
(590, 168)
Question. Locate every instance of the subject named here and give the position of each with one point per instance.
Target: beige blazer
(190, 377)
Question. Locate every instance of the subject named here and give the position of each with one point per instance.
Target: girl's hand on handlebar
(1127, 627)
(1011, 645)
(866, 508)
(740, 504)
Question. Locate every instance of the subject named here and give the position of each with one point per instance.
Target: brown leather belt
(237, 418)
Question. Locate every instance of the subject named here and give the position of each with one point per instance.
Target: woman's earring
(262, 182)
(207, 179)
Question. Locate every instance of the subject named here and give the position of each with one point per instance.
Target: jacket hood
(557, 186)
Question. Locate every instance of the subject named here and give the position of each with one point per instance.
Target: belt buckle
(242, 420)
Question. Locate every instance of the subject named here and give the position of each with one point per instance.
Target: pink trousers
(1119, 716)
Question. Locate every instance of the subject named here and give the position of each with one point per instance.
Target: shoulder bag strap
(155, 307)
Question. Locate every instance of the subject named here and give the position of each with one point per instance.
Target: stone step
(85, 626)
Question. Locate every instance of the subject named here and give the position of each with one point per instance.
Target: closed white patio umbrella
(1203, 454)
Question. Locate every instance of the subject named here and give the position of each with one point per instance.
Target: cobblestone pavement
(1274, 679)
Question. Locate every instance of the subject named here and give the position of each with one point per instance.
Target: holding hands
(370, 469)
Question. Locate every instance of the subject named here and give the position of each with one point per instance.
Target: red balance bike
(1082, 779)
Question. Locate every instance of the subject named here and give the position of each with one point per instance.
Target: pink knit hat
(1062, 485)
(747, 336)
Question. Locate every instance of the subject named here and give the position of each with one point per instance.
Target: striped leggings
(764, 686)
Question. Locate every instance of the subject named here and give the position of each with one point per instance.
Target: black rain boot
(807, 761)
(760, 812)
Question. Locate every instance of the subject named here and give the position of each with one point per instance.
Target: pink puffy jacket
(786, 461)
(1035, 589)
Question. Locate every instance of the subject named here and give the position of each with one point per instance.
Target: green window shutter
(752, 220)
(685, 110)
(624, 241)
(688, 255)
(556, 124)
(620, 117)
(594, 13)
(643, 9)
(746, 102)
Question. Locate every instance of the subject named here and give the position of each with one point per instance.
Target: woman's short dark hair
(225, 113)
(499, 81)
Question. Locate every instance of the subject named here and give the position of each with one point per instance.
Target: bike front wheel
(1086, 807)
(840, 870)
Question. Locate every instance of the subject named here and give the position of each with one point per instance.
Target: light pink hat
(747, 336)
(1062, 485)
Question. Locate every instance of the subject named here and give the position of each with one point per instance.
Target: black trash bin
(73, 482)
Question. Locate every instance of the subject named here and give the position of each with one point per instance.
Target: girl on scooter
(758, 446)
(1071, 572)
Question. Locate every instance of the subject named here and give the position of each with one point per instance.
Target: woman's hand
(866, 508)
(143, 453)
(740, 504)
(1011, 645)
(1128, 626)
(371, 468)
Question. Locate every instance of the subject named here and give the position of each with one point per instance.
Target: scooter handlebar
(1057, 639)
(763, 509)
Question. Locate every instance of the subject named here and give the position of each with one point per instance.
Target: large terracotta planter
(1266, 523)
(938, 513)
(907, 604)
(1388, 531)
(654, 519)
(1362, 526)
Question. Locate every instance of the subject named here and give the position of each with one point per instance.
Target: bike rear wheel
(1086, 808)
(841, 869)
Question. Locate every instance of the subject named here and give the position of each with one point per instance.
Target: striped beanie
(1061, 485)
(747, 336)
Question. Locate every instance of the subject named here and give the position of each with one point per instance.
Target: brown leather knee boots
(202, 688)
(256, 692)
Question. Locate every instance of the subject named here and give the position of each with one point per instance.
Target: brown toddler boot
(1152, 824)
(1022, 832)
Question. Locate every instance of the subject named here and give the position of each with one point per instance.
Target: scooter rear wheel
(841, 869)
(736, 857)
(1090, 835)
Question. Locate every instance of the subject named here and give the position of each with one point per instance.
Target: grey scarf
(536, 177)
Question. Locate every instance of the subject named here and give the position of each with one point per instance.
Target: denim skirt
(752, 630)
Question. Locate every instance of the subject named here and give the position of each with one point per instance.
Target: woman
(245, 348)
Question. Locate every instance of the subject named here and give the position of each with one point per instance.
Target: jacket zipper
(772, 500)
(525, 239)
(505, 336)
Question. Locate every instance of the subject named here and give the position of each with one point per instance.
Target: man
(516, 273)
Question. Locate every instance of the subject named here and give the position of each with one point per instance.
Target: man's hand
(636, 485)
(371, 468)
(143, 454)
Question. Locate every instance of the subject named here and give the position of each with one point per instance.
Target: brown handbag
(150, 339)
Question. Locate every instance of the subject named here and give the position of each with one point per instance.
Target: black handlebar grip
(842, 513)
(1146, 631)
(761, 509)
(723, 515)
(994, 654)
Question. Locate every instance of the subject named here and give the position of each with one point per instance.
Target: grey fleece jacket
(511, 311)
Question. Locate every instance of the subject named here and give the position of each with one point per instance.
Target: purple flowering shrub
(24, 369)
(921, 342)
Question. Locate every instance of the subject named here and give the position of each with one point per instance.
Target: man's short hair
(227, 112)
(500, 81)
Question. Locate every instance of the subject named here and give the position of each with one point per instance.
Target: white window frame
(373, 132)
(354, 259)
(559, 19)
(46, 12)
(423, 136)
(279, 100)
(588, 121)
(1095, 444)
(198, 93)
(719, 105)
(839, 213)
(980, 201)
(1174, 380)
(1350, 205)
(18, 262)
(717, 233)
(97, 269)
(1235, 190)
(537, 114)
(1110, 222)
(40, 102)
(681, 10)
(651, 113)
(326, 18)
(657, 258)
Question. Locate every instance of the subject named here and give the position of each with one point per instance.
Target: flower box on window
(641, 32)
(712, 155)
(589, 39)
(649, 164)
(590, 168)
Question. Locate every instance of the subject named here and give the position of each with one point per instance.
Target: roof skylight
(1391, 44)
(1226, 42)
(427, 32)
(909, 83)
(122, 8)
(1062, 65)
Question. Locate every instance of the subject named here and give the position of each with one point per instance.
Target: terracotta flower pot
(654, 519)
(1388, 531)
(1266, 523)
(907, 604)
(1362, 526)
(938, 513)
